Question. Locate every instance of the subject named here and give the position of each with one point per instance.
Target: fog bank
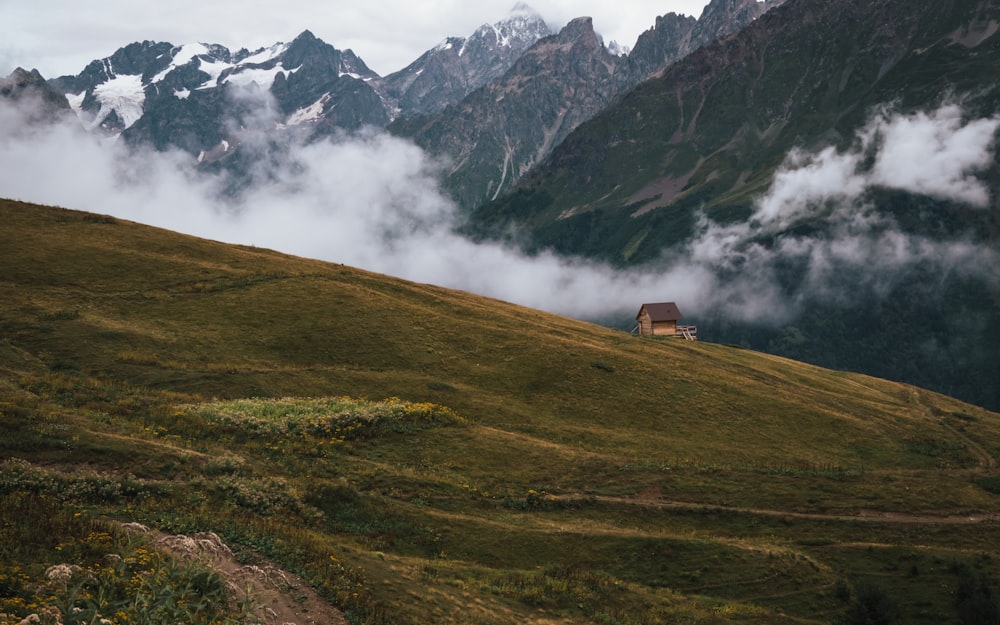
(373, 201)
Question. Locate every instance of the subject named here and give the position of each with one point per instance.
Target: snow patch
(214, 69)
(263, 77)
(502, 40)
(124, 95)
(182, 94)
(311, 113)
(76, 101)
(265, 55)
(183, 57)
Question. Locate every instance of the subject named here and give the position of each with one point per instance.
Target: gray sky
(60, 37)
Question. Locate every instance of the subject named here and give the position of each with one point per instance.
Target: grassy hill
(424, 455)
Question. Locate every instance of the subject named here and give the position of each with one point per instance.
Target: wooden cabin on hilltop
(661, 320)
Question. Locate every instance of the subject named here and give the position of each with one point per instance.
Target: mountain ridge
(336, 91)
(191, 96)
(498, 134)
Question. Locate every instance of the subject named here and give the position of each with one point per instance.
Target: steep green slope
(715, 126)
(533, 468)
(703, 142)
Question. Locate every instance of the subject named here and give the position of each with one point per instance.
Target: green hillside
(423, 455)
(711, 130)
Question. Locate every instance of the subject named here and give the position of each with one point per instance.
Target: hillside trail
(273, 596)
(861, 515)
(984, 460)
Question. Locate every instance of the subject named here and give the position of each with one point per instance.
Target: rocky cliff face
(665, 43)
(725, 17)
(328, 87)
(500, 131)
(497, 134)
(675, 36)
(459, 66)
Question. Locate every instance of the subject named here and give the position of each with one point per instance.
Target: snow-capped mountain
(191, 96)
(455, 100)
(500, 132)
(197, 97)
(460, 65)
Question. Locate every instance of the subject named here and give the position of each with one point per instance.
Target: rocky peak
(497, 133)
(723, 17)
(22, 83)
(665, 43)
(675, 36)
(146, 59)
(46, 103)
(306, 37)
(522, 24)
(522, 8)
(580, 29)
(307, 49)
(458, 65)
(19, 79)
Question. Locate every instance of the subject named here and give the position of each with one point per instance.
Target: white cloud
(373, 201)
(935, 154)
(805, 181)
(861, 250)
(368, 200)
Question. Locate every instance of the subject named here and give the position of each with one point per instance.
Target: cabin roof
(663, 311)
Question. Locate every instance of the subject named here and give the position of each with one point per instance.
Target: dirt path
(984, 460)
(871, 516)
(277, 597)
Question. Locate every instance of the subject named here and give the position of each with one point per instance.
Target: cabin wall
(664, 328)
(660, 328)
(645, 324)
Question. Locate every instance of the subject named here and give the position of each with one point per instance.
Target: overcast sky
(60, 37)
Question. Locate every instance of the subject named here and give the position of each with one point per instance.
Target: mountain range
(501, 131)
(682, 152)
(204, 98)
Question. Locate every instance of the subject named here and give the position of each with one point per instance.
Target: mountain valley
(814, 182)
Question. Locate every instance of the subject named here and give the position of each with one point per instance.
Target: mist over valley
(541, 328)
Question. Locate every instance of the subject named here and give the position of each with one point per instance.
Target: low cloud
(937, 154)
(373, 201)
(367, 199)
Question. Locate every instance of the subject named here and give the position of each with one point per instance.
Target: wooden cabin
(661, 320)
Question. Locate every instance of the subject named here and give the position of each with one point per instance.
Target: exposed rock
(39, 101)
